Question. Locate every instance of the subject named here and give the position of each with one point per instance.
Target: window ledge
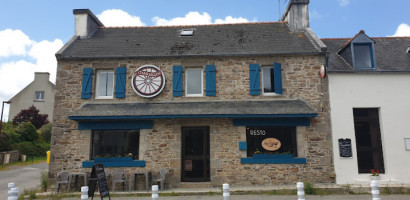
(273, 161)
(38, 100)
(115, 162)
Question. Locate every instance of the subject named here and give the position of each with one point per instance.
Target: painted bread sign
(148, 81)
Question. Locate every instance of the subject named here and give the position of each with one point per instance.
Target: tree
(31, 115)
(27, 132)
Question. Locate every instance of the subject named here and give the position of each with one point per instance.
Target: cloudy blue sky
(32, 31)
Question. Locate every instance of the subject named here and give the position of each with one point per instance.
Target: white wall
(391, 94)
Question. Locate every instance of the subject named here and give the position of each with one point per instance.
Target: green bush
(46, 132)
(32, 149)
(27, 132)
(15, 138)
(5, 142)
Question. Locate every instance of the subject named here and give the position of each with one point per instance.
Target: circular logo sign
(148, 81)
(271, 144)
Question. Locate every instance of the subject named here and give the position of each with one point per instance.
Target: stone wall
(14, 156)
(161, 146)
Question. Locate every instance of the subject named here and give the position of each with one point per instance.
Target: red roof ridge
(193, 25)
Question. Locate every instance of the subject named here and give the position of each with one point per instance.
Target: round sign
(271, 144)
(148, 81)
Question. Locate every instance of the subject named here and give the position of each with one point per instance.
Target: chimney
(297, 15)
(86, 22)
(41, 76)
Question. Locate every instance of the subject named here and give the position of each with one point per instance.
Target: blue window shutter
(254, 79)
(210, 80)
(120, 77)
(177, 81)
(86, 85)
(278, 77)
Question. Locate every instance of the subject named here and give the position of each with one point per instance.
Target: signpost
(98, 175)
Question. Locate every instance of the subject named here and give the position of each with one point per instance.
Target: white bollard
(225, 189)
(155, 192)
(301, 190)
(10, 185)
(84, 192)
(375, 190)
(13, 194)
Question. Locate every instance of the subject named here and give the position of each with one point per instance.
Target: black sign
(98, 175)
(345, 147)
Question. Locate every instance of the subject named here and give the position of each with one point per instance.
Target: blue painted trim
(296, 121)
(210, 80)
(120, 81)
(254, 79)
(243, 146)
(86, 83)
(133, 163)
(177, 90)
(115, 125)
(277, 68)
(273, 161)
(192, 116)
(371, 45)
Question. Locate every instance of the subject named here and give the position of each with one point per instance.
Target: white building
(369, 81)
(39, 93)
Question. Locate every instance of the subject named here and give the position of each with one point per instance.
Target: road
(27, 177)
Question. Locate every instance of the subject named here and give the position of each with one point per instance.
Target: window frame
(92, 145)
(288, 132)
(97, 83)
(202, 81)
(371, 52)
(262, 81)
(39, 92)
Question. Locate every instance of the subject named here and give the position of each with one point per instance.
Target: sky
(31, 32)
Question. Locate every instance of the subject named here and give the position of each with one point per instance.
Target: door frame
(205, 157)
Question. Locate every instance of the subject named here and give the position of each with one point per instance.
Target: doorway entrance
(195, 154)
(368, 139)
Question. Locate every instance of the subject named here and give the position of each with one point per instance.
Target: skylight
(187, 32)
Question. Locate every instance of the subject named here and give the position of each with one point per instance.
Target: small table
(76, 175)
(134, 176)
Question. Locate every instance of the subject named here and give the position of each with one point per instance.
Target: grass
(29, 161)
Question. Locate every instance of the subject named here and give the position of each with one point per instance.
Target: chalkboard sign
(345, 147)
(98, 175)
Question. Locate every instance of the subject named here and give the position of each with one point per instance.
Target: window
(363, 55)
(105, 84)
(115, 143)
(194, 82)
(39, 96)
(286, 136)
(268, 80)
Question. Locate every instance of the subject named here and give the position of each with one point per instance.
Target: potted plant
(375, 174)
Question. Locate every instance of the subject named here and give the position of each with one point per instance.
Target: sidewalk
(359, 192)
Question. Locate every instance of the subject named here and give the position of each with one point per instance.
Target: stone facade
(160, 147)
(14, 156)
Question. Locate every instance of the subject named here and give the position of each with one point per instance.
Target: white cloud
(13, 43)
(344, 2)
(34, 57)
(231, 20)
(403, 30)
(116, 17)
(189, 19)
(196, 18)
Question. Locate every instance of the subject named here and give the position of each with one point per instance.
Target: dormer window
(363, 55)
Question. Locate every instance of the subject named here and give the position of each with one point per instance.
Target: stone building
(368, 80)
(39, 93)
(236, 103)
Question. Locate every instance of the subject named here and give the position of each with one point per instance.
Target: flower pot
(374, 177)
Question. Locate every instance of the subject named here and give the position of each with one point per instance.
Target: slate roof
(270, 38)
(231, 109)
(390, 54)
